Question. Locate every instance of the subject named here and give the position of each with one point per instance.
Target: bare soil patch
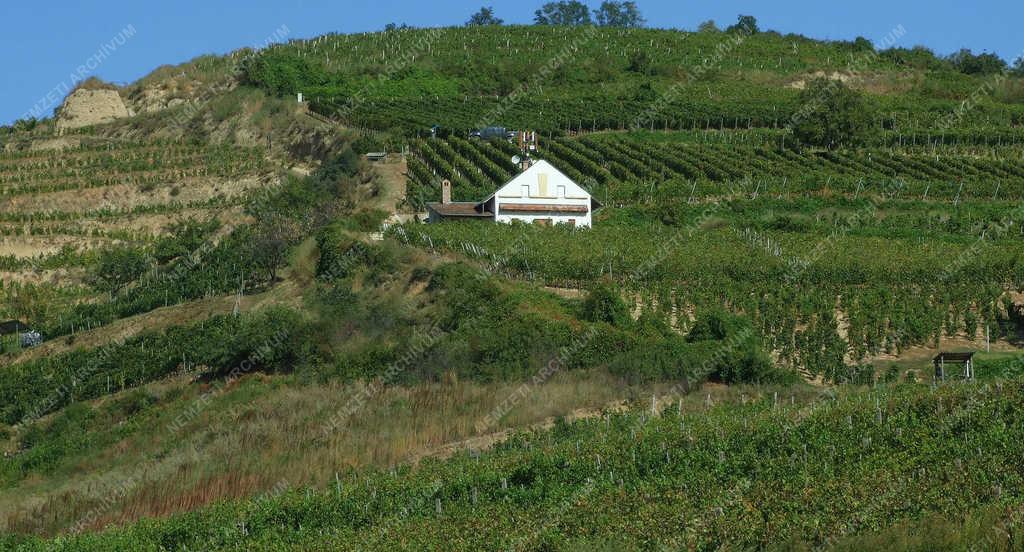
(91, 107)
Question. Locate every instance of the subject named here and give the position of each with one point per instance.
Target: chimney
(446, 191)
(525, 163)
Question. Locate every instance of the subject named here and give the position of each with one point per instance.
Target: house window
(542, 222)
(542, 185)
(571, 222)
(561, 192)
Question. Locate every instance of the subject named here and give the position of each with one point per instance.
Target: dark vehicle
(492, 133)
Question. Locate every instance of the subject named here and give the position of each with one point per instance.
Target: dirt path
(391, 176)
(486, 441)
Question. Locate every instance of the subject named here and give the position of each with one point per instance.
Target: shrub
(367, 144)
(736, 354)
(183, 238)
(465, 293)
(130, 404)
(832, 115)
(969, 63)
(118, 266)
(604, 304)
(717, 325)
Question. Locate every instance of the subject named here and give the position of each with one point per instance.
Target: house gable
(542, 194)
(542, 181)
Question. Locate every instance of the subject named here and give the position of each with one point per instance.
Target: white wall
(545, 185)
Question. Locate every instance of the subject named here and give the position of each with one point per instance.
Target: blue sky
(46, 47)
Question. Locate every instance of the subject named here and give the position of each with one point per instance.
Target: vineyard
(612, 79)
(800, 290)
(734, 356)
(837, 256)
(145, 166)
(737, 474)
(60, 210)
(621, 170)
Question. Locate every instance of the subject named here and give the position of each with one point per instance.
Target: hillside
(555, 79)
(896, 466)
(251, 341)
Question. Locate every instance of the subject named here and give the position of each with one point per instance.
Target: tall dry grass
(267, 433)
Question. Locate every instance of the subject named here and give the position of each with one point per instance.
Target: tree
(484, 17)
(571, 12)
(270, 242)
(862, 44)
(619, 14)
(831, 115)
(744, 24)
(119, 266)
(1018, 67)
(981, 64)
(708, 26)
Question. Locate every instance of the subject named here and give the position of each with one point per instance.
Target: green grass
(748, 472)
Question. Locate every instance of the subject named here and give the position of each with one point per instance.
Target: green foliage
(901, 461)
(740, 357)
(619, 14)
(604, 304)
(465, 76)
(43, 445)
(1018, 67)
(247, 259)
(341, 255)
(862, 44)
(977, 64)
(367, 144)
(367, 220)
(708, 26)
(484, 17)
(833, 115)
(640, 62)
(799, 265)
(281, 72)
(563, 13)
(918, 57)
(182, 238)
(346, 163)
(668, 359)
(745, 24)
(270, 341)
(716, 325)
(118, 266)
(1011, 367)
(130, 404)
(465, 292)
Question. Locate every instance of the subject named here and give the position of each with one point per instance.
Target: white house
(541, 194)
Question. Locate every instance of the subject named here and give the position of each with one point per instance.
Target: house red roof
(460, 209)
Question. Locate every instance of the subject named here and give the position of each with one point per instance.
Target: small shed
(964, 359)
